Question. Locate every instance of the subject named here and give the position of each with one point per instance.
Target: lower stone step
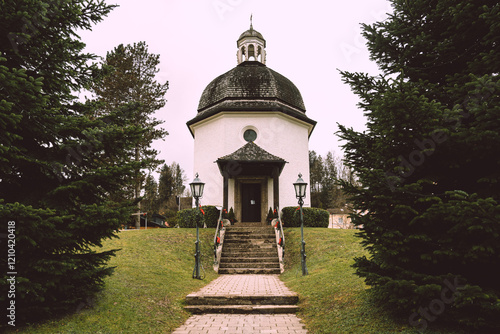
(237, 259)
(252, 271)
(224, 265)
(253, 255)
(242, 309)
(254, 300)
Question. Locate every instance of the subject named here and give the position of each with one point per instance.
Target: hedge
(313, 217)
(189, 217)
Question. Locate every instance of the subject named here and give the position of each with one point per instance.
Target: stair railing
(218, 240)
(280, 239)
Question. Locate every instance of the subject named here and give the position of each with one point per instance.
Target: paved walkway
(242, 324)
(243, 285)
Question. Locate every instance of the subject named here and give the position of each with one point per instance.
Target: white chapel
(251, 136)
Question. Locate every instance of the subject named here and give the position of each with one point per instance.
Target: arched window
(251, 52)
(243, 53)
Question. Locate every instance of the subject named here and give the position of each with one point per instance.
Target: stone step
(249, 241)
(247, 251)
(248, 224)
(249, 236)
(256, 246)
(234, 259)
(289, 299)
(232, 229)
(249, 258)
(251, 271)
(249, 228)
(254, 243)
(254, 254)
(226, 265)
(242, 309)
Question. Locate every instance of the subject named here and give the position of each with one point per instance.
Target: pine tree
(428, 162)
(179, 178)
(150, 202)
(131, 79)
(329, 178)
(316, 178)
(60, 160)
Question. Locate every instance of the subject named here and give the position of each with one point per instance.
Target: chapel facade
(251, 136)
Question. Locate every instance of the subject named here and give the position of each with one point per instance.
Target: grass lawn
(332, 298)
(153, 275)
(146, 293)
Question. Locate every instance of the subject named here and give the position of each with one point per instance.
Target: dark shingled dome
(248, 82)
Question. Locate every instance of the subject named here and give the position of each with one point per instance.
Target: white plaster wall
(277, 133)
(270, 194)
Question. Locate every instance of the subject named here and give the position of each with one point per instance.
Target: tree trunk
(138, 191)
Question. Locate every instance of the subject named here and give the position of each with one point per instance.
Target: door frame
(251, 192)
(263, 180)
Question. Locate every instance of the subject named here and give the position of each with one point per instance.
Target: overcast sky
(308, 42)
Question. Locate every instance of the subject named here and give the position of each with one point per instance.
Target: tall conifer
(428, 162)
(60, 159)
(131, 80)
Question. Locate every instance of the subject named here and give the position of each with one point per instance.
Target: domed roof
(251, 81)
(251, 86)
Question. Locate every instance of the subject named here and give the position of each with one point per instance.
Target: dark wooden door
(250, 202)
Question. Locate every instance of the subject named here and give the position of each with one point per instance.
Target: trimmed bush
(313, 217)
(231, 216)
(270, 216)
(187, 218)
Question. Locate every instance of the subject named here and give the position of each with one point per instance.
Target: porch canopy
(251, 160)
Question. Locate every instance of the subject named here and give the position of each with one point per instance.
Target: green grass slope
(332, 298)
(146, 293)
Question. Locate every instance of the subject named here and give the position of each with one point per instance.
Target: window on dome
(250, 135)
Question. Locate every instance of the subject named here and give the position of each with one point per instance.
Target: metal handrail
(281, 235)
(218, 235)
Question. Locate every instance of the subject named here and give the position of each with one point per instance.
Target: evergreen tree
(316, 178)
(329, 177)
(428, 162)
(165, 185)
(171, 184)
(179, 178)
(60, 160)
(150, 202)
(131, 79)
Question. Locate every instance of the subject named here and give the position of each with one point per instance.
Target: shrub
(313, 217)
(270, 216)
(187, 218)
(231, 216)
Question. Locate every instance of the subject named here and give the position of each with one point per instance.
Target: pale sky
(307, 42)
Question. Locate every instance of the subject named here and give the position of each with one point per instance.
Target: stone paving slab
(242, 324)
(245, 285)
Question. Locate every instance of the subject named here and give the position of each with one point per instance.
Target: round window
(250, 135)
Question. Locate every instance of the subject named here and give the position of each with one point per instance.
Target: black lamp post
(197, 192)
(300, 193)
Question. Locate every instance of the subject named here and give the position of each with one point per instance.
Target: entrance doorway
(250, 202)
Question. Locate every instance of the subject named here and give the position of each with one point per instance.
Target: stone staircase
(249, 248)
(249, 281)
